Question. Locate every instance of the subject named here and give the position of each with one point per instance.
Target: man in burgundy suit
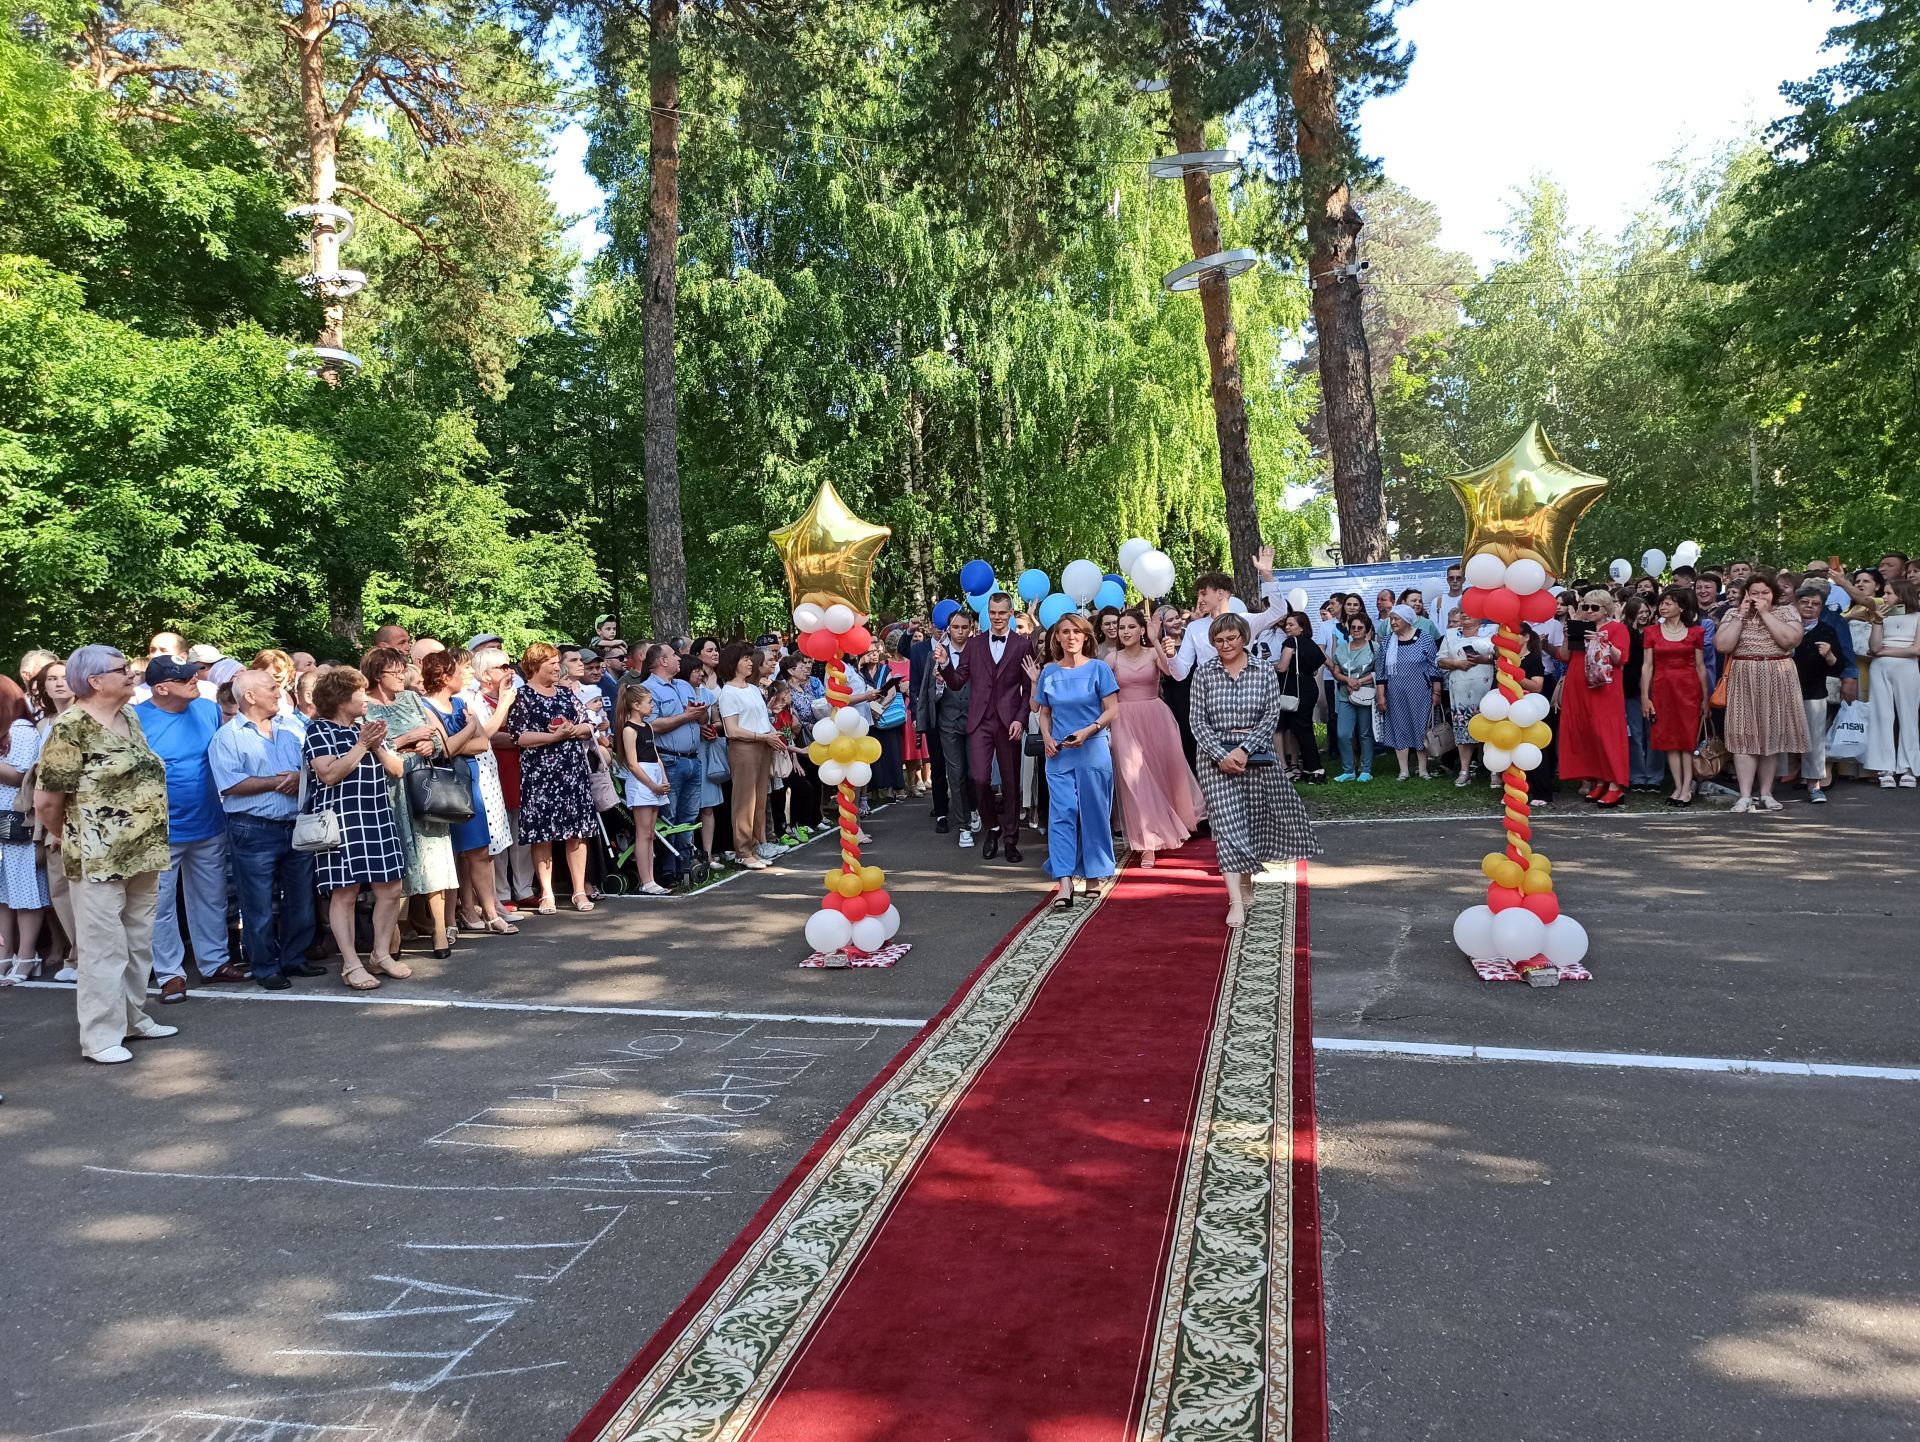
(994, 665)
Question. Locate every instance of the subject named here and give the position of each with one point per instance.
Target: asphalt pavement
(329, 1221)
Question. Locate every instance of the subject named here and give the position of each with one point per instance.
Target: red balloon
(1543, 904)
(877, 901)
(1540, 606)
(1502, 607)
(819, 645)
(851, 907)
(1499, 898)
(856, 641)
(1473, 601)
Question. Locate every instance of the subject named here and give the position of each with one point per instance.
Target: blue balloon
(1111, 593)
(1034, 585)
(943, 613)
(980, 602)
(976, 577)
(1117, 579)
(1054, 607)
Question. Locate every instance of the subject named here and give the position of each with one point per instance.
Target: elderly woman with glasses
(1408, 688)
(102, 795)
(1592, 734)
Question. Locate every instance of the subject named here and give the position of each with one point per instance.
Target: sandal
(500, 926)
(357, 978)
(1063, 903)
(654, 888)
(546, 907)
(471, 923)
(582, 901)
(387, 966)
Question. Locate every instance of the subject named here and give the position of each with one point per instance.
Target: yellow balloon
(816, 753)
(869, 749)
(1478, 727)
(829, 553)
(1504, 734)
(1540, 734)
(872, 878)
(833, 879)
(1524, 506)
(845, 749)
(847, 883)
(1535, 882)
(1540, 862)
(1491, 863)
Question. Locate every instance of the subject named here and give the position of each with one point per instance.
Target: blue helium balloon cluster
(976, 578)
(980, 602)
(943, 613)
(1034, 585)
(1054, 607)
(1112, 592)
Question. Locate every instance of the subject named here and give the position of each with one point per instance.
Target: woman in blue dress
(1408, 689)
(1078, 698)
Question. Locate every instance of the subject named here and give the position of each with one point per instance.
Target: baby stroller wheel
(701, 869)
(615, 883)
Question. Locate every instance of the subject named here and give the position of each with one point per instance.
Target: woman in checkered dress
(349, 765)
(1256, 814)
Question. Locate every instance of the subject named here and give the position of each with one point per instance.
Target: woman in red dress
(1593, 718)
(1673, 687)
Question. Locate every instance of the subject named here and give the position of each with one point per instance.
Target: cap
(769, 639)
(203, 654)
(169, 668)
(599, 621)
(485, 638)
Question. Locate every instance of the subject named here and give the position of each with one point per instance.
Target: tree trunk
(919, 555)
(323, 145)
(1333, 238)
(1223, 344)
(667, 555)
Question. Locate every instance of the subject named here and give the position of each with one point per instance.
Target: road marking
(432, 1003)
(1639, 1060)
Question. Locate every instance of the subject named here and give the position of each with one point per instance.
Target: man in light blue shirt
(178, 726)
(677, 715)
(256, 762)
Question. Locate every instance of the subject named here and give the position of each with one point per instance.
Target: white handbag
(314, 831)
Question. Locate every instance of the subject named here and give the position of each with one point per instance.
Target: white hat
(203, 654)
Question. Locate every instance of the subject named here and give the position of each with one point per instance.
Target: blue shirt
(671, 698)
(180, 739)
(240, 752)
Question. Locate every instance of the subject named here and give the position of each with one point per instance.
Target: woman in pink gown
(1160, 802)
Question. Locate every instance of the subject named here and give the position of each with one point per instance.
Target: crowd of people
(263, 818)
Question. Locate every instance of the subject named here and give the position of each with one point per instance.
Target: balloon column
(828, 554)
(1520, 512)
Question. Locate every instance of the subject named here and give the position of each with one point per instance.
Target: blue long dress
(473, 834)
(1409, 671)
(1079, 778)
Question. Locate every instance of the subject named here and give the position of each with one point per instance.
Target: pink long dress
(1160, 800)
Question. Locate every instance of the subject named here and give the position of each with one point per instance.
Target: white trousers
(1893, 715)
(115, 941)
(197, 882)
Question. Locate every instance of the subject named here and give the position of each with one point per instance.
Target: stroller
(621, 834)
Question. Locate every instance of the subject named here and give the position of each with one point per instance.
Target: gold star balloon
(1525, 505)
(829, 553)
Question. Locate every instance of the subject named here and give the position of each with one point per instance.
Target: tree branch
(437, 249)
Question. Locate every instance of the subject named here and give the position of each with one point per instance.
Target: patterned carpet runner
(1080, 1205)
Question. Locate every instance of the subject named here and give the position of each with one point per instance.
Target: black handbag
(14, 828)
(440, 792)
(1034, 744)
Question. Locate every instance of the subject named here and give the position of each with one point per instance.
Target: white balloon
(807, 617)
(1518, 934)
(826, 732)
(828, 930)
(832, 773)
(869, 933)
(1236, 605)
(1526, 576)
(1152, 575)
(1495, 706)
(839, 619)
(1473, 932)
(1621, 571)
(1566, 941)
(1081, 580)
(1131, 551)
(1494, 759)
(1529, 710)
(1686, 553)
(1527, 756)
(859, 773)
(1654, 562)
(850, 722)
(890, 919)
(1485, 570)
(1297, 598)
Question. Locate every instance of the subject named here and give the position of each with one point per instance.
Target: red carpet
(1080, 1205)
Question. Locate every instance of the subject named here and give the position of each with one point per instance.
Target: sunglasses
(1583, 606)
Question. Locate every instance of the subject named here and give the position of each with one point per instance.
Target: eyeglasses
(1584, 606)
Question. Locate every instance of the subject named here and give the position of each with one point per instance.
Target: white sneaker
(1744, 804)
(973, 821)
(862, 836)
(153, 1031)
(966, 839)
(66, 973)
(1907, 779)
(111, 1055)
(769, 851)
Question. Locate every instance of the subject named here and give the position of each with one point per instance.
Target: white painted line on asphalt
(539, 1008)
(1483, 817)
(1641, 1060)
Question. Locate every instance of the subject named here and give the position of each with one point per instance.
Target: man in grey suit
(940, 711)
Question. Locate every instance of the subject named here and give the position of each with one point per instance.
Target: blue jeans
(265, 864)
(196, 884)
(682, 807)
(1644, 767)
(1354, 724)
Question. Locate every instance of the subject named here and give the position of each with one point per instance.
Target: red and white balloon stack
(856, 916)
(1521, 921)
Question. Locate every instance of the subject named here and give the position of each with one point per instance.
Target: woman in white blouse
(751, 742)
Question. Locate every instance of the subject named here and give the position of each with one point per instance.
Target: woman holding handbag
(350, 768)
(1160, 802)
(417, 737)
(1298, 665)
(1593, 719)
(443, 681)
(1466, 658)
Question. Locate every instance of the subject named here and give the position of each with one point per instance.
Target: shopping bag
(1847, 736)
